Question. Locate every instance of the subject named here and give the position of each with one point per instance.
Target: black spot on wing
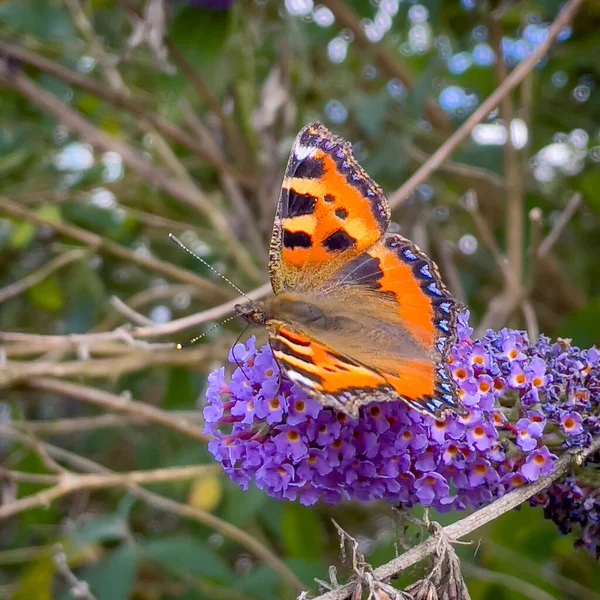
(309, 168)
(296, 239)
(338, 241)
(300, 204)
(341, 213)
(329, 198)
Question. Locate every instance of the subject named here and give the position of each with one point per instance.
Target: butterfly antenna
(198, 337)
(239, 365)
(192, 253)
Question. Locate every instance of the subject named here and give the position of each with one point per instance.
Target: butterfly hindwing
(388, 323)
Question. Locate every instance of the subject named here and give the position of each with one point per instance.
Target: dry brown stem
(565, 16)
(465, 526)
(387, 62)
(183, 191)
(100, 244)
(68, 483)
(163, 503)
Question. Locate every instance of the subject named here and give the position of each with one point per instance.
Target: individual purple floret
(269, 432)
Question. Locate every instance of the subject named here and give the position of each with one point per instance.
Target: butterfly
(359, 314)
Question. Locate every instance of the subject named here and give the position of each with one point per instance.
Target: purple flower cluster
(569, 503)
(268, 431)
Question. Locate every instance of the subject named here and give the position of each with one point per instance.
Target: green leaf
(302, 534)
(10, 161)
(590, 184)
(241, 506)
(261, 581)
(370, 111)
(50, 213)
(200, 33)
(183, 555)
(94, 218)
(22, 235)
(42, 19)
(181, 390)
(36, 581)
(46, 295)
(113, 577)
(583, 326)
(306, 570)
(100, 528)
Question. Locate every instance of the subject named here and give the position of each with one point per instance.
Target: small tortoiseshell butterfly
(359, 314)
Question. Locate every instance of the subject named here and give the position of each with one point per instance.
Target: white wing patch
(301, 152)
(297, 378)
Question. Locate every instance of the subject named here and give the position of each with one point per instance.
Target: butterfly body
(358, 314)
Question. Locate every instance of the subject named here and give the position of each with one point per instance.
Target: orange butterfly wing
(329, 211)
(380, 321)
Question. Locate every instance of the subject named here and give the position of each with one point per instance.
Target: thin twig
(151, 294)
(506, 580)
(135, 333)
(185, 511)
(560, 224)
(78, 425)
(122, 404)
(465, 526)
(236, 141)
(13, 371)
(121, 100)
(129, 313)
(80, 590)
(181, 190)
(455, 168)
(514, 79)
(68, 483)
(386, 60)
(514, 293)
(18, 287)
(514, 215)
(101, 244)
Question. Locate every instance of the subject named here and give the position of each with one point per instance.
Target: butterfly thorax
(288, 308)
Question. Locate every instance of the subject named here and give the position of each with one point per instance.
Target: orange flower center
(460, 374)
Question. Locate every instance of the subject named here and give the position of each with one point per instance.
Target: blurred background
(124, 120)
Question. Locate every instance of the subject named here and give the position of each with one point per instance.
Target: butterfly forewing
(329, 211)
(359, 314)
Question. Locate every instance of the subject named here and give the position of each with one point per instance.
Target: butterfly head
(252, 312)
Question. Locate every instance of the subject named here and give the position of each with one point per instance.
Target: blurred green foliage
(268, 72)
